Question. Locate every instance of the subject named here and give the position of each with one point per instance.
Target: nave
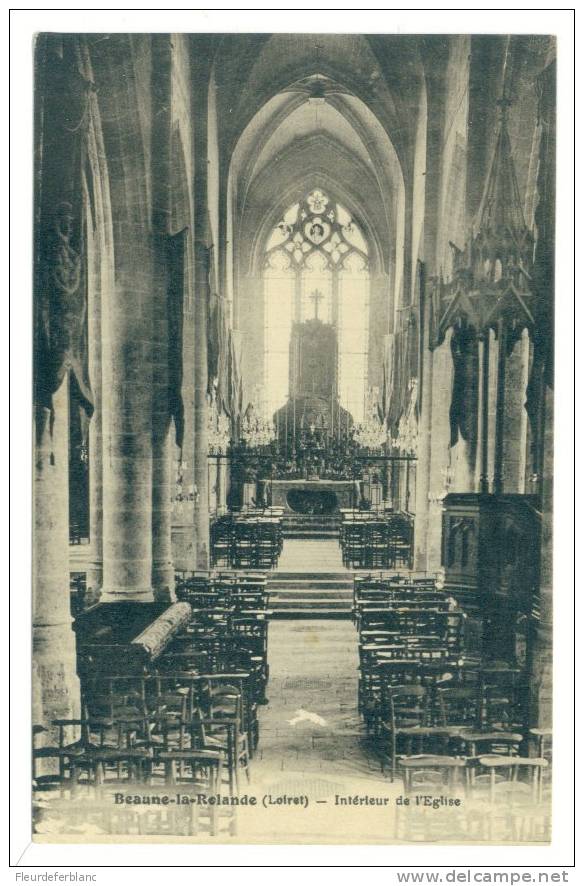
(293, 432)
(327, 711)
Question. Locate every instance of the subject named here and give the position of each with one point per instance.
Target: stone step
(309, 526)
(310, 591)
(322, 612)
(307, 583)
(292, 516)
(308, 520)
(292, 593)
(303, 602)
(277, 575)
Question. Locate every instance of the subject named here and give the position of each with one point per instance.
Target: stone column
(201, 285)
(424, 450)
(99, 282)
(492, 406)
(127, 346)
(55, 686)
(542, 662)
(515, 417)
(440, 451)
(201, 406)
(162, 561)
(482, 456)
(95, 562)
(127, 427)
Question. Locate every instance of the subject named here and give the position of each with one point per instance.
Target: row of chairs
(491, 766)
(441, 715)
(370, 541)
(241, 593)
(99, 766)
(246, 541)
(192, 721)
(380, 588)
(436, 715)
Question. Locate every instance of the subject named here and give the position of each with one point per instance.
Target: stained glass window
(317, 266)
(279, 292)
(353, 335)
(316, 288)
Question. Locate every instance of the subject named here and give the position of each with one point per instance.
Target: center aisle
(311, 740)
(310, 581)
(311, 555)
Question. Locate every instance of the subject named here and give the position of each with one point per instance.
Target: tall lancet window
(316, 290)
(353, 334)
(317, 267)
(279, 299)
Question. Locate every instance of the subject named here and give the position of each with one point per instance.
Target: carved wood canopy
(492, 276)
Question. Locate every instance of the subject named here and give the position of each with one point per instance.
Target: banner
(60, 342)
(175, 257)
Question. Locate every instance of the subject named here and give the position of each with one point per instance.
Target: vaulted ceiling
(291, 104)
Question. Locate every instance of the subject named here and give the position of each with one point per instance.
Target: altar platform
(314, 496)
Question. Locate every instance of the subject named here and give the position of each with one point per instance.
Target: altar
(314, 496)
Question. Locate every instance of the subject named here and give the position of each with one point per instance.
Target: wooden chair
(478, 744)
(169, 728)
(514, 781)
(50, 765)
(432, 773)
(105, 768)
(214, 723)
(404, 712)
(244, 549)
(458, 707)
(226, 697)
(222, 541)
(194, 772)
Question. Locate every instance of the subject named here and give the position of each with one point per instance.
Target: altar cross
(316, 297)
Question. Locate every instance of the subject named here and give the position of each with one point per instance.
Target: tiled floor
(313, 670)
(312, 745)
(311, 740)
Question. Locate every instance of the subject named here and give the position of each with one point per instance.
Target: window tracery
(316, 224)
(316, 265)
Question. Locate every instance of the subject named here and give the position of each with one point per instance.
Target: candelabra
(370, 433)
(257, 431)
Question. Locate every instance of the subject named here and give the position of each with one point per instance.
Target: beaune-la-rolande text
(208, 800)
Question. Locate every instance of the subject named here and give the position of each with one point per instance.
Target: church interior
(293, 414)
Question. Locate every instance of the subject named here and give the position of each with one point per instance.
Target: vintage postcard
(293, 437)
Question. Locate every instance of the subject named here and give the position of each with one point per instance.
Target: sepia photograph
(293, 437)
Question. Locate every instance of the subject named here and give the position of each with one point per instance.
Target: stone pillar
(482, 456)
(492, 406)
(423, 466)
(515, 417)
(99, 282)
(440, 450)
(201, 407)
(95, 562)
(201, 285)
(162, 562)
(221, 486)
(55, 686)
(127, 428)
(542, 663)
